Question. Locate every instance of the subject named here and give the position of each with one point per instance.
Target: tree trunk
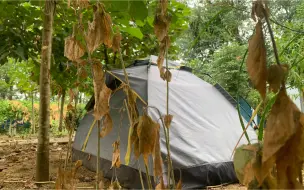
(302, 99)
(42, 163)
(33, 115)
(10, 95)
(61, 110)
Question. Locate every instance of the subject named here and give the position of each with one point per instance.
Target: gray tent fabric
(203, 133)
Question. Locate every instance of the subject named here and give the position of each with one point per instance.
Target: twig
(248, 124)
(140, 176)
(98, 154)
(148, 176)
(276, 55)
(238, 98)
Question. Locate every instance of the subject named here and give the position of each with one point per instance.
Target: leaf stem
(276, 55)
(98, 154)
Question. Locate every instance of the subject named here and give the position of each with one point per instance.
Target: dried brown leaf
(283, 141)
(116, 155)
(275, 76)
(107, 125)
(116, 41)
(161, 184)
(71, 95)
(168, 120)
(99, 31)
(101, 91)
(78, 3)
(73, 49)
(70, 107)
(168, 76)
(258, 9)
(83, 73)
(161, 27)
(256, 61)
(115, 185)
(179, 184)
(147, 133)
(157, 159)
(132, 108)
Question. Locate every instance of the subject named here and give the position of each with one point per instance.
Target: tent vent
(185, 68)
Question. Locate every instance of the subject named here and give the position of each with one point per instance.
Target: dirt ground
(17, 165)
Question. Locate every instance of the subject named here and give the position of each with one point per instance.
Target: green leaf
(133, 32)
(138, 10)
(139, 23)
(150, 20)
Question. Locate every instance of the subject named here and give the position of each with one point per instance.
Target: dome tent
(204, 130)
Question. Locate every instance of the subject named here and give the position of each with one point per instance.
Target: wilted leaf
(115, 185)
(107, 125)
(101, 91)
(168, 76)
(276, 75)
(256, 61)
(157, 159)
(70, 107)
(258, 9)
(168, 120)
(116, 155)
(135, 140)
(99, 31)
(179, 184)
(116, 41)
(132, 108)
(73, 49)
(71, 95)
(147, 133)
(161, 184)
(283, 142)
(161, 26)
(83, 73)
(78, 3)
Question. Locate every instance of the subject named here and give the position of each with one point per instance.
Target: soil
(17, 165)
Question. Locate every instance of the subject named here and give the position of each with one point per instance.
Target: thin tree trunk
(42, 163)
(33, 115)
(302, 99)
(61, 110)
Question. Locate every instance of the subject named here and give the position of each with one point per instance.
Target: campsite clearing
(17, 165)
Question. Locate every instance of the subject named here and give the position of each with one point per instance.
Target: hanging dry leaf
(161, 184)
(78, 3)
(161, 27)
(81, 62)
(71, 95)
(83, 73)
(70, 107)
(259, 7)
(147, 133)
(168, 76)
(132, 108)
(157, 159)
(116, 41)
(116, 155)
(115, 185)
(101, 91)
(283, 141)
(107, 125)
(99, 31)
(276, 76)
(256, 61)
(73, 49)
(135, 141)
(168, 120)
(179, 184)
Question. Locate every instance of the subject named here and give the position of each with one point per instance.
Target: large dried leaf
(259, 7)
(147, 133)
(83, 73)
(78, 3)
(256, 61)
(73, 49)
(116, 155)
(283, 140)
(161, 27)
(99, 31)
(107, 125)
(101, 91)
(157, 159)
(275, 76)
(132, 108)
(116, 41)
(135, 140)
